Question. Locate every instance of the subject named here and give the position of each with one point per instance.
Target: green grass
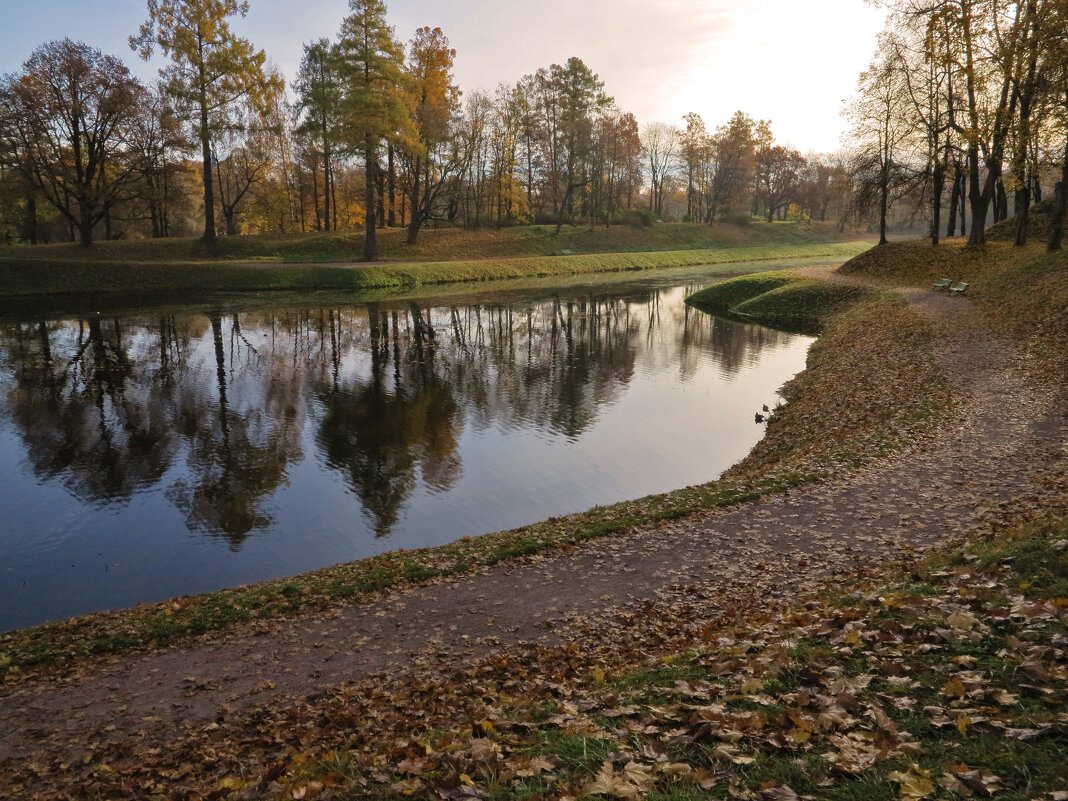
(442, 244)
(21, 277)
(781, 298)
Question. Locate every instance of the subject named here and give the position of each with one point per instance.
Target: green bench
(944, 283)
(959, 289)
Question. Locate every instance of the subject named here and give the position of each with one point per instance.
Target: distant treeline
(964, 106)
(374, 133)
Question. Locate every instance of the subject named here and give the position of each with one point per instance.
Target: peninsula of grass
(780, 298)
(326, 262)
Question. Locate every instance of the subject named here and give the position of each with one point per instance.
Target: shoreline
(898, 621)
(29, 278)
(49, 646)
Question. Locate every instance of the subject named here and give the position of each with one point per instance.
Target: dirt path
(1008, 445)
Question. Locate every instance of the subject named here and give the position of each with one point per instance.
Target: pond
(153, 452)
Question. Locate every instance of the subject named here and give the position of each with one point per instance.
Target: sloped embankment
(782, 298)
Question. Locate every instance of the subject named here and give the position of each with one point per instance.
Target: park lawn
(441, 244)
(34, 277)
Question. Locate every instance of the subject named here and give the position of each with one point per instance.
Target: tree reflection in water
(226, 402)
(91, 414)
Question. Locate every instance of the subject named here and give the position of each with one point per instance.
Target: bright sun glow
(793, 63)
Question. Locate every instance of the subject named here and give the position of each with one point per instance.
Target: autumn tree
(511, 113)
(157, 141)
(432, 158)
(572, 96)
(375, 106)
(695, 150)
(65, 121)
(1055, 66)
(473, 140)
(879, 127)
(210, 69)
(242, 155)
(617, 167)
(659, 143)
(735, 163)
(778, 175)
(922, 55)
(319, 93)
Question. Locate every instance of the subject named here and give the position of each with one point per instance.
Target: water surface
(169, 450)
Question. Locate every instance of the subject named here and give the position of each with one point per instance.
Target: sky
(794, 63)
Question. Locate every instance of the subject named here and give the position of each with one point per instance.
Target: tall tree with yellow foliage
(437, 100)
(210, 69)
(375, 106)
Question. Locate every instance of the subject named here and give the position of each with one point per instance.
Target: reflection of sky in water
(157, 453)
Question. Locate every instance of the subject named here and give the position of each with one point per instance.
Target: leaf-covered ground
(797, 645)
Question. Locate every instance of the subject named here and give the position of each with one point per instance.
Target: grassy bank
(30, 277)
(446, 244)
(779, 298)
(882, 337)
(1022, 291)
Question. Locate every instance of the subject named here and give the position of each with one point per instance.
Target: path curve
(1007, 445)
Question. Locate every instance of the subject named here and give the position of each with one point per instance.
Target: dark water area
(154, 452)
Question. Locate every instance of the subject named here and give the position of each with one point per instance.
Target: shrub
(639, 218)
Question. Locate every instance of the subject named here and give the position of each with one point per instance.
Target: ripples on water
(164, 452)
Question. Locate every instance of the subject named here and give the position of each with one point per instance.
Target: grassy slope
(780, 298)
(268, 262)
(441, 244)
(1022, 291)
(54, 278)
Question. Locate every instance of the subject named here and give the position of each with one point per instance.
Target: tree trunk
(30, 230)
(326, 193)
(884, 203)
(85, 227)
(1022, 207)
(315, 196)
(391, 214)
(1056, 218)
(370, 244)
(231, 221)
(416, 223)
(938, 180)
(1060, 203)
(979, 199)
(1002, 202)
(209, 184)
(380, 186)
(951, 223)
(962, 204)
(333, 200)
